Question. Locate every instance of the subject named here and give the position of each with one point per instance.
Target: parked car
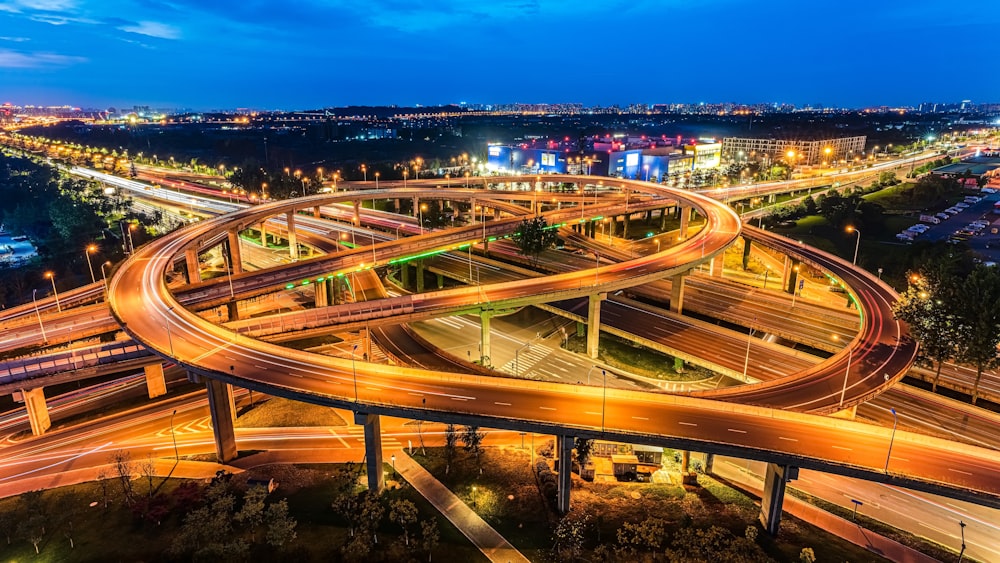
(942, 216)
(962, 205)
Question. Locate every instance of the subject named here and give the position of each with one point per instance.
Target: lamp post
(746, 360)
(767, 271)
(961, 554)
(377, 174)
(857, 244)
(104, 275)
(170, 338)
(473, 495)
(177, 456)
(355, 370)
(90, 264)
(364, 170)
(597, 265)
(38, 316)
(229, 274)
(891, 438)
(646, 168)
(604, 398)
(393, 465)
(847, 372)
(517, 370)
(52, 278)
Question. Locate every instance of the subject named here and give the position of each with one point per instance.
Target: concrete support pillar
(235, 255)
(715, 267)
(316, 212)
(685, 461)
(594, 323)
(791, 286)
(366, 343)
(220, 406)
(663, 219)
(420, 276)
(38, 411)
(263, 234)
(320, 298)
(338, 290)
(233, 310)
(746, 253)
(677, 293)
(193, 269)
(685, 219)
(496, 213)
(774, 495)
(709, 463)
(373, 449)
(404, 274)
(356, 218)
(612, 225)
(484, 337)
(564, 445)
(416, 206)
(440, 281)
(626, 221)
(786, 268)
(155, 384)
(293, 243)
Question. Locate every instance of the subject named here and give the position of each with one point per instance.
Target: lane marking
(788, 439)
(688, 423)
(547, 408)
(593, 413)
(841, 448)
(959, 471)
(503, 404)
(640, 418)
(737, 430)
(459, 399)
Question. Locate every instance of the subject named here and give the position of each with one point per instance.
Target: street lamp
(364, 170)
(961, 554)
(38, 316)
(847, 372)
(857, 244)
(517, 370)
(393, 465)
(891, 438)
(177, 456)
(355, 370)
(104, 274)
(52, 278)
(604, 398)
(420, 214)
(746, 360)
(473, 495)
(91, 248)
(377, 174)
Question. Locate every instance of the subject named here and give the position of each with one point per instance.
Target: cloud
(153, 29)
(15, 39)
(18, 6)
(15, 59)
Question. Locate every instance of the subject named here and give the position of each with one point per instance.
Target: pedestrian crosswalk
(525, 359)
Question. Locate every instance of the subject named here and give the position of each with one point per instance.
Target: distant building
(808, 152)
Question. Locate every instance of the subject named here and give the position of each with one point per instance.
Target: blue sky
(311, 53)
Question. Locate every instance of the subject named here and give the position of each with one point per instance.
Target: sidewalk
(481, 534)
(831, 523)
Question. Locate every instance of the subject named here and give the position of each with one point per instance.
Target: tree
(123, 468)
(472, 440)
(926, 307)
(978, 321)
(372, 513)
(280, 526)
(583, 448)
(569, 536)
(534, 236)
(450, 440)
(404, 513)
(148, 470)
(251, 514)
(430, 535)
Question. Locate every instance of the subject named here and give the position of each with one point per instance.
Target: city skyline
(322, 54)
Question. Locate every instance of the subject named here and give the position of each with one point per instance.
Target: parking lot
(985, 242)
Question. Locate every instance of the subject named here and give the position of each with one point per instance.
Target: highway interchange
(210, 350)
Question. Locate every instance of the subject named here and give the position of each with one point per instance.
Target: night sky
(211, 54)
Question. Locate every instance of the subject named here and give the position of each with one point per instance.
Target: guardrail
(104, 354)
